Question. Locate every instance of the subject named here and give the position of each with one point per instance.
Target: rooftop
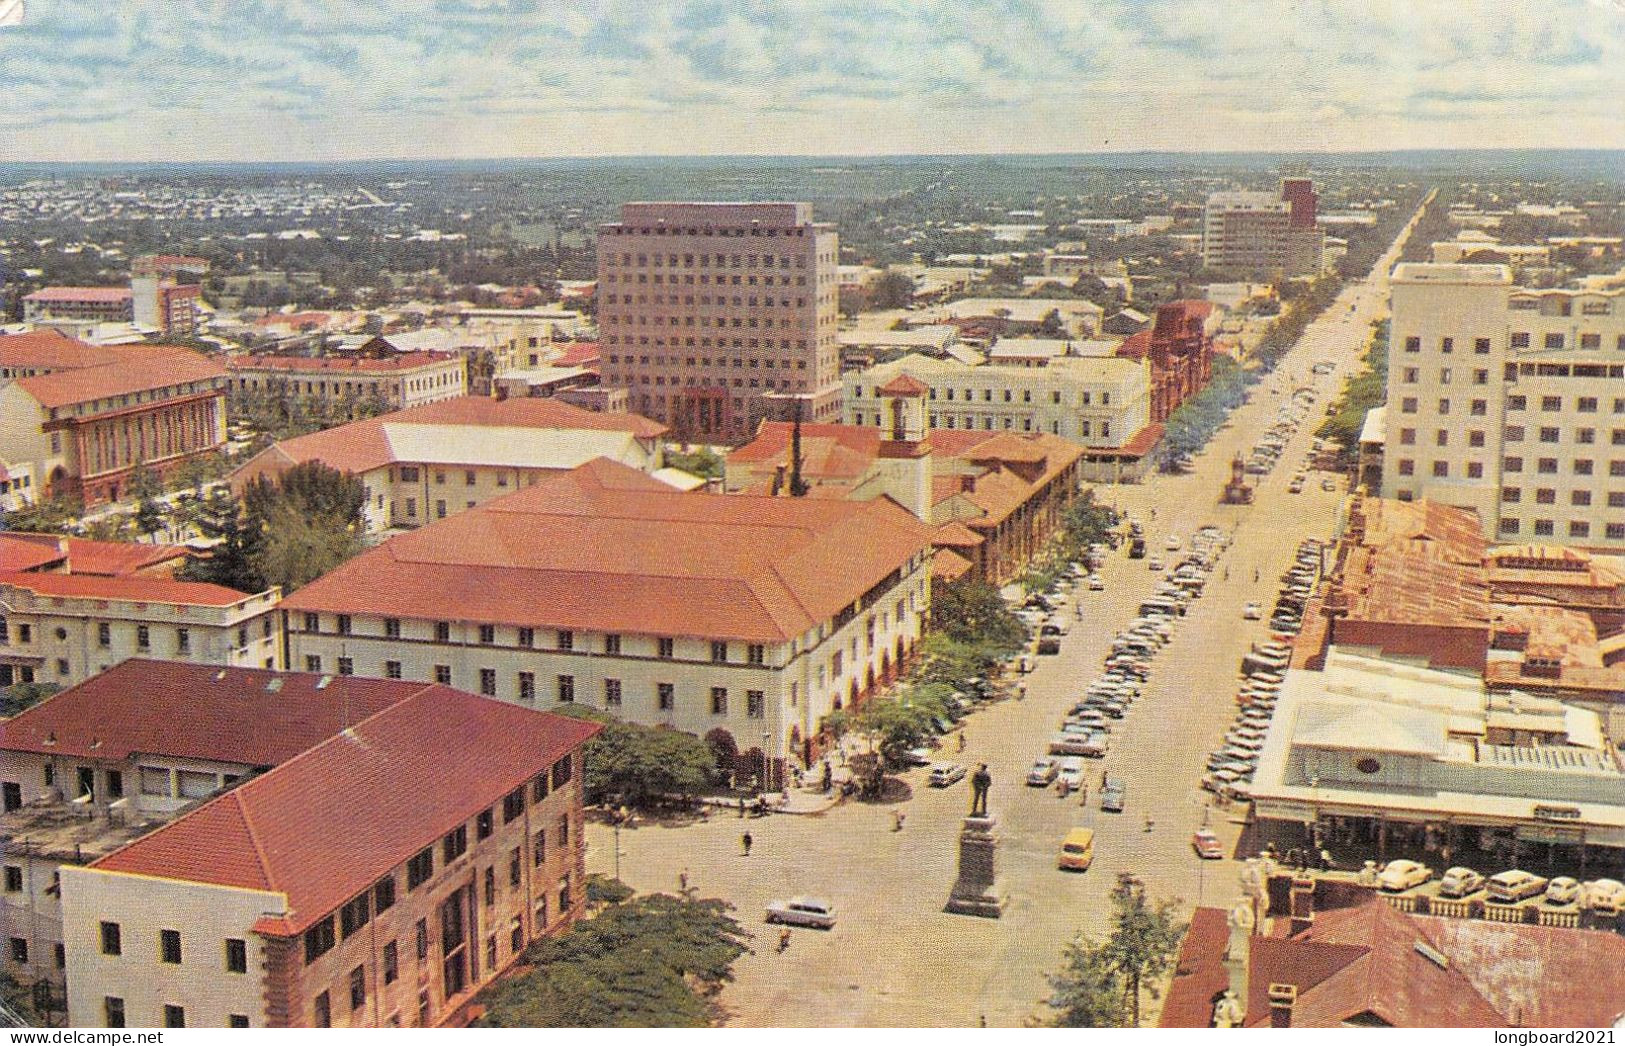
(1456, 273)
(49, 350)
(328, 823)
(127, 369)
(350, 364)
(136, 588)
(615, 550)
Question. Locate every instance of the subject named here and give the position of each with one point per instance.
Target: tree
(150, 516)
(231, 561)
(144, 484)
(1130, 962)
(705, 462)
(972, 611)
(891, 290)
(641, 765)
(310, 520)
(724, 749)
(19, 697)
(648, 962)
(895, 727)
(52, 516)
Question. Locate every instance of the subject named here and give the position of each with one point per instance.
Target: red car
(1207, 845)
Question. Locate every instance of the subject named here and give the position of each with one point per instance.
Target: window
(143, 637)
(1441, 469)
(527, 686)
(719, 651)
(113, 1011)
(344, 624)
(174, 1016)
(14, 878)
(355, 914)
(422, 939)
(1441, 438)
(1586, 404)
(1510, 524)
(112, 939)
(383, 894)
(488, 634)
(488, 682)
(1447, 344)
(1407, 437)
(612, 693)
(1413, 344)
(1514, 434)
(346, 666)
(485, 823)
(1444, 406)
(104, 634)
(561, 773)
(236, 955)
(567, 689)
(392, 670)
(612, 644)
(319, 940)
(516, 866)
(1481, 346)
(169, 946)
(442, 631)
(455, 843)
(392, 627)
(567, 640)
(490, 886)
(358, 987)
(756, 654)
(1407, 405)
(1407, 467)
(513, 804)
(392, 962)
(1545, 496)
(1579, 528)
(442, 674)
(1511, 495)
(666, 696)
(527, 637)
(313, 662)
(719, 700)
(538, 852)
(1511, 464)
(538, 787)
(564, 831)
(19, 949)
(664, 647)
(1583, 466)
(324, 1011)
(1543, 528)
(755, 704)
(516, 935)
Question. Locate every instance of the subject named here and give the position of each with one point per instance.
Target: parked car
(802, 911)
(1252, 612)
(1460, 882)
(1077, 850)
(1173, 543)
(1207, 845)
(917, 757)
(1071, 772)
(1154, 563)
(1402, 875)
(1514, 885)
(1328, 484)
(1603, 896)
(945, 774)
(1113, 795)
(1563, 890)
(1096, 583)
(1043, 772)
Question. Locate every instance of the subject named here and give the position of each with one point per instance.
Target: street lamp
(767, 761)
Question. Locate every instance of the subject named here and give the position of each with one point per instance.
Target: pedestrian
(1064, 787)
(741, 807)
(1149, 823)
(745, 841)
(682, 882)
(962, 742)
(1255, 575)
(784, 939)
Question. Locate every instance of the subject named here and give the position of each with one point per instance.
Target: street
(895, 958)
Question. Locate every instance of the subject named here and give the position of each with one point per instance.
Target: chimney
(1301, 903)
(1282, 998)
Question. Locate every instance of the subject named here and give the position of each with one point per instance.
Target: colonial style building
(426, 463)
(405, 380)
(717, 315)
(607, 588)
(80, 422)
(1179, 347)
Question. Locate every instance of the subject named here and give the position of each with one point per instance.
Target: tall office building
(1261, 231)
(1508, 401)
(716, 316)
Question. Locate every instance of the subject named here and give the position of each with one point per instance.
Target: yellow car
(1077, 850)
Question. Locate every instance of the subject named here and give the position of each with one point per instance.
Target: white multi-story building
(405, 380)
(1098, 401)
(1508, 401)
(604, 587)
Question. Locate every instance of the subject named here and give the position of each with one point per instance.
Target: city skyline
(309, 80)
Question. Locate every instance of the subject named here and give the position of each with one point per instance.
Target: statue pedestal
(978, 890)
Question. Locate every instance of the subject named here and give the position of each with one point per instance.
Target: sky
(314, 80)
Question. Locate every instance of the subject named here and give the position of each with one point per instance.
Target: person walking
(961, 741)
(745, 841)
(682, 882)
(784, 940)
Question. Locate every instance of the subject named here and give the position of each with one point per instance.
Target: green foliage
(1195, 421)
(606, 889)
(704, 462)
(1130, 963)
(277, 412)
(894, 727)
(59, 515)
(150, 516)
(231, 562)
(19, 998)
(972, 611)
(1285, 330)
(639, 766)
(19, 697)
(1365, 390)
(309, 522)
(950, 661)
(650, 962)
(891, 290)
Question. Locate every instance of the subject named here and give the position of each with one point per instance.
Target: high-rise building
(1509, 401)
(1263, 231)
(716, 316)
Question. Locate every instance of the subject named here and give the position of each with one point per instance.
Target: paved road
(896, 959)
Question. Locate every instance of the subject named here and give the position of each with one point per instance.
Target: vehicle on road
(1136, 548)
(945, 774)
(1173, 544)
(1093, 744)
(1071, 775)
(1252, 612)
(1077, 850)
(1154, 563)
(1295, 487)
(1460, 882)
(1049, 645)
(1113, 795)
(1603, 896)
(1328, 484)
(1514, 885)
(1043, 772)
(1402, 875)
(1563, 890)
(917, 757)
(1207, 845)
(802, 911)
(1096, 583)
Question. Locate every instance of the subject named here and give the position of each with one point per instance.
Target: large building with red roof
(78, 420)
(1179, 348)
(429, 462)
(604, 587)
(407, 379)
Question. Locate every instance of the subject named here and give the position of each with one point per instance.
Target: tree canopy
(309, 521)
(972, 611)
(1102, 984)
(639, 766)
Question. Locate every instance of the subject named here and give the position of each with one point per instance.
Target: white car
(1173, 543)
(1460, 882)
(1154, 563)
(945, 774)
(1072, 772)
(1043, 773)
(1096, 583)
(802, 911)
(1402, 875)
(1252, 612)
(1563, 890)
(1604, 896)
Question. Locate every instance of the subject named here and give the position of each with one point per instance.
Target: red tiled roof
(49, 350)
(364, 445)
(293, 319)
(227, 715)
(607, 548)
(31, 551)
(71, 294)
(350, 364)
(138, 588)
(1200, 977)
(327, 824)
(948, 565)
(118, 558)
(903, 385)
(956, 535)
(578, 354)
(1136, 345)
(132, 369)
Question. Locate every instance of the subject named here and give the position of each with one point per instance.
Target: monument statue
(980, 782)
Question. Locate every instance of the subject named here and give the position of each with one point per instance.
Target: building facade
(716, 316)
(1179, 348)
(1510, 402)
(607, 588)
(1267, 232)
(82, 430)
(409, 379)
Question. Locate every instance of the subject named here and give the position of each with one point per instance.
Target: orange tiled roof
(31, 551)
(956, 535)
(349, 364)
(133, 369)
(110, 295)
(227, 715)
(948, 565)
(903, 385)
(118, 558)
(134, 587)
(49, 350)
(327, 824)
(607, 548)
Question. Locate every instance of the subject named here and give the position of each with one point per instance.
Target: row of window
(1522, 340)
(737, 363)
(738, 301)
(564, 640)
(1577, 528)
(706, 261)
(1548, 496)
